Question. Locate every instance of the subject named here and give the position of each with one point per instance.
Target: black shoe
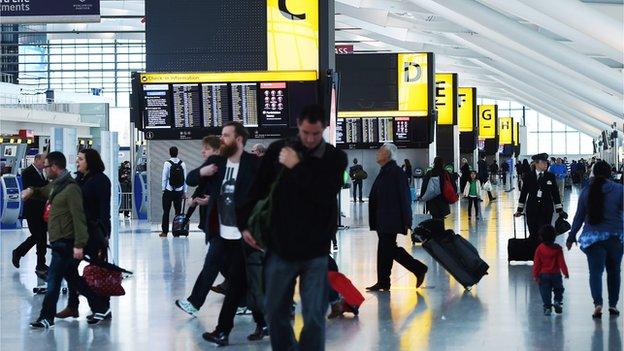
(420, 277)
(259, 333)
(98, 317)
(219, 289)
(15, 259)
(217, 337)
(614, 311)
(43, 275)
(42, 323)
(558, 307)
(379, 287)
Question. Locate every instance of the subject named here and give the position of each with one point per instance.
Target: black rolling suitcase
(180, 226)
(458, 256)
(520, 249)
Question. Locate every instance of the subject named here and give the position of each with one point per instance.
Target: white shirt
(226, 204)
(165, 175)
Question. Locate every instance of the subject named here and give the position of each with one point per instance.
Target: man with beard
(228, 176)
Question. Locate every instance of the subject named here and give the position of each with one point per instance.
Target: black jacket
(305, 204)
(247, 170)
(438, 207)
(96, 196)
(33, 207)
(352, 171)
(482, 171)
(550, 199)
(390, 208)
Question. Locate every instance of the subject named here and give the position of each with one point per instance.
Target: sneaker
(558, 308)
(163, 235)
(15, 259)
(259, 333)
(187, 307)
(42, 323)
(98, 317)
(547, 311)
(216, 337)
(242, 310)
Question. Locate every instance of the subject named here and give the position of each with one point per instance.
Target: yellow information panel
(445, 98)
(413, 82)
(516, 140)
(466, 110)
(487, 121)
(292, 35)
(505, 130)
(219, 77)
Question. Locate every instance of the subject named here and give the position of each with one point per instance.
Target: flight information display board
(372, 132)
(193, 110)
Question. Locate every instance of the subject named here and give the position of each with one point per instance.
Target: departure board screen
(402, 129)
(186, 106)
(340, 131)
(245, 104)
(372, 132)
(273, 104)
(215, 104)
(156, 106)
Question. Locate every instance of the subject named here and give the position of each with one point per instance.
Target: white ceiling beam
(506, 32)
(584, 18)
(556, 26)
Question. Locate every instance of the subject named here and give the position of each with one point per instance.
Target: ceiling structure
(563, 58)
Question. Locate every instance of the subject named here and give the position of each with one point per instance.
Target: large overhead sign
(292, 35)
(506, 130)
(414, 80)
(467, 111)
(516, 138)
(49, 11)
(446, 98)
(488, 115)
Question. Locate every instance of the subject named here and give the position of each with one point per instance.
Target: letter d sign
(411, 72)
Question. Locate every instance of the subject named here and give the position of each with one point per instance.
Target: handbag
(450, 195)
(259, 221)
(103, 281)
(433, 189)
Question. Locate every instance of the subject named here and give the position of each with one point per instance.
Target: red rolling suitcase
(345, 288)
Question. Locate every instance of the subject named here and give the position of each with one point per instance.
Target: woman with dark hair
(407, 168)
(438, 207)
(96, 194)
(602, 238)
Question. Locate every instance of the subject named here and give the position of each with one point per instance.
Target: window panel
(532, 146)
(544, 123)
(545, 142)
(531, 120)
(559, 143)
(587, 146)
(573, 143)
(558, 126)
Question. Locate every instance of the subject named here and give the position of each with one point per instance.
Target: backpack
(360, 174)
(450, 195)
(176, 174)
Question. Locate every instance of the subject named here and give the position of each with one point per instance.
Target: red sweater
(549, 259)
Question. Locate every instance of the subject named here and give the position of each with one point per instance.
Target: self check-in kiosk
(10, 201)
(140, 190)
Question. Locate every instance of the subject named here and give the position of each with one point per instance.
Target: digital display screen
(340, 131)
(245, 103)
(372, 132)
(156, 113)
(368, 82)
(10, 182)
(273, 104)
(215, 104)
(186, 106)
(402, 129)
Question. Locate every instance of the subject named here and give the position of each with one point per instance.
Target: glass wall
(544, 134)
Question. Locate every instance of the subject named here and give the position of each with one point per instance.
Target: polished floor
(502, 313)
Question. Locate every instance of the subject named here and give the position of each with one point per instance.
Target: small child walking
(548, 264)
(472, 191)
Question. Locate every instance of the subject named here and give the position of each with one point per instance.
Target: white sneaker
(187, 307)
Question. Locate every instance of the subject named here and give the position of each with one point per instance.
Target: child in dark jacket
(548, 264)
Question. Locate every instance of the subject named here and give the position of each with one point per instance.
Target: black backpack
(176, 175)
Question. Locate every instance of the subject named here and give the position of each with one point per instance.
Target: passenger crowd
(270, 216)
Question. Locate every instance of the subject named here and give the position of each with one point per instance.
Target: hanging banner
(49, 11)
(446, 98)
(488, 115)
(516, 134)
(415, 71)
(292, 35)
(467, 111)
(505, 130)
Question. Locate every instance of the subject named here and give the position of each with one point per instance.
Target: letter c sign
(286, 13)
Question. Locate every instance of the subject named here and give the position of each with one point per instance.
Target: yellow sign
(505, 130)
(218, 77)
(467, 109)
(413, 79)
(516, 134)
(446, 98)
(487, 121)
(292, 35)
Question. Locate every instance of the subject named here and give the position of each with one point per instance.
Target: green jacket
(67, 218)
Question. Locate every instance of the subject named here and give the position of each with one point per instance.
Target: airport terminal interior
(416, 95)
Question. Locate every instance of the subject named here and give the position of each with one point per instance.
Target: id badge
(539, 193)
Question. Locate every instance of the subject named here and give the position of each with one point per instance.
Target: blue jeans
(551, 283)
(606, 254)
(62, 257)
(280, 288)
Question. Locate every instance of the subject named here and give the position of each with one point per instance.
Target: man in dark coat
(390, 213)
(539, 196)
(355, 172)
(484, 175)
(33, 176)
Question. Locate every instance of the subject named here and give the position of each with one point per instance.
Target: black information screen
(245, 104)
(273, 100)
(216, 104)
(368, 82)
(186, 106)
(156, 106)
(402, 129)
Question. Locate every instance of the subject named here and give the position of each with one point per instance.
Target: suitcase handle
(525, 226)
